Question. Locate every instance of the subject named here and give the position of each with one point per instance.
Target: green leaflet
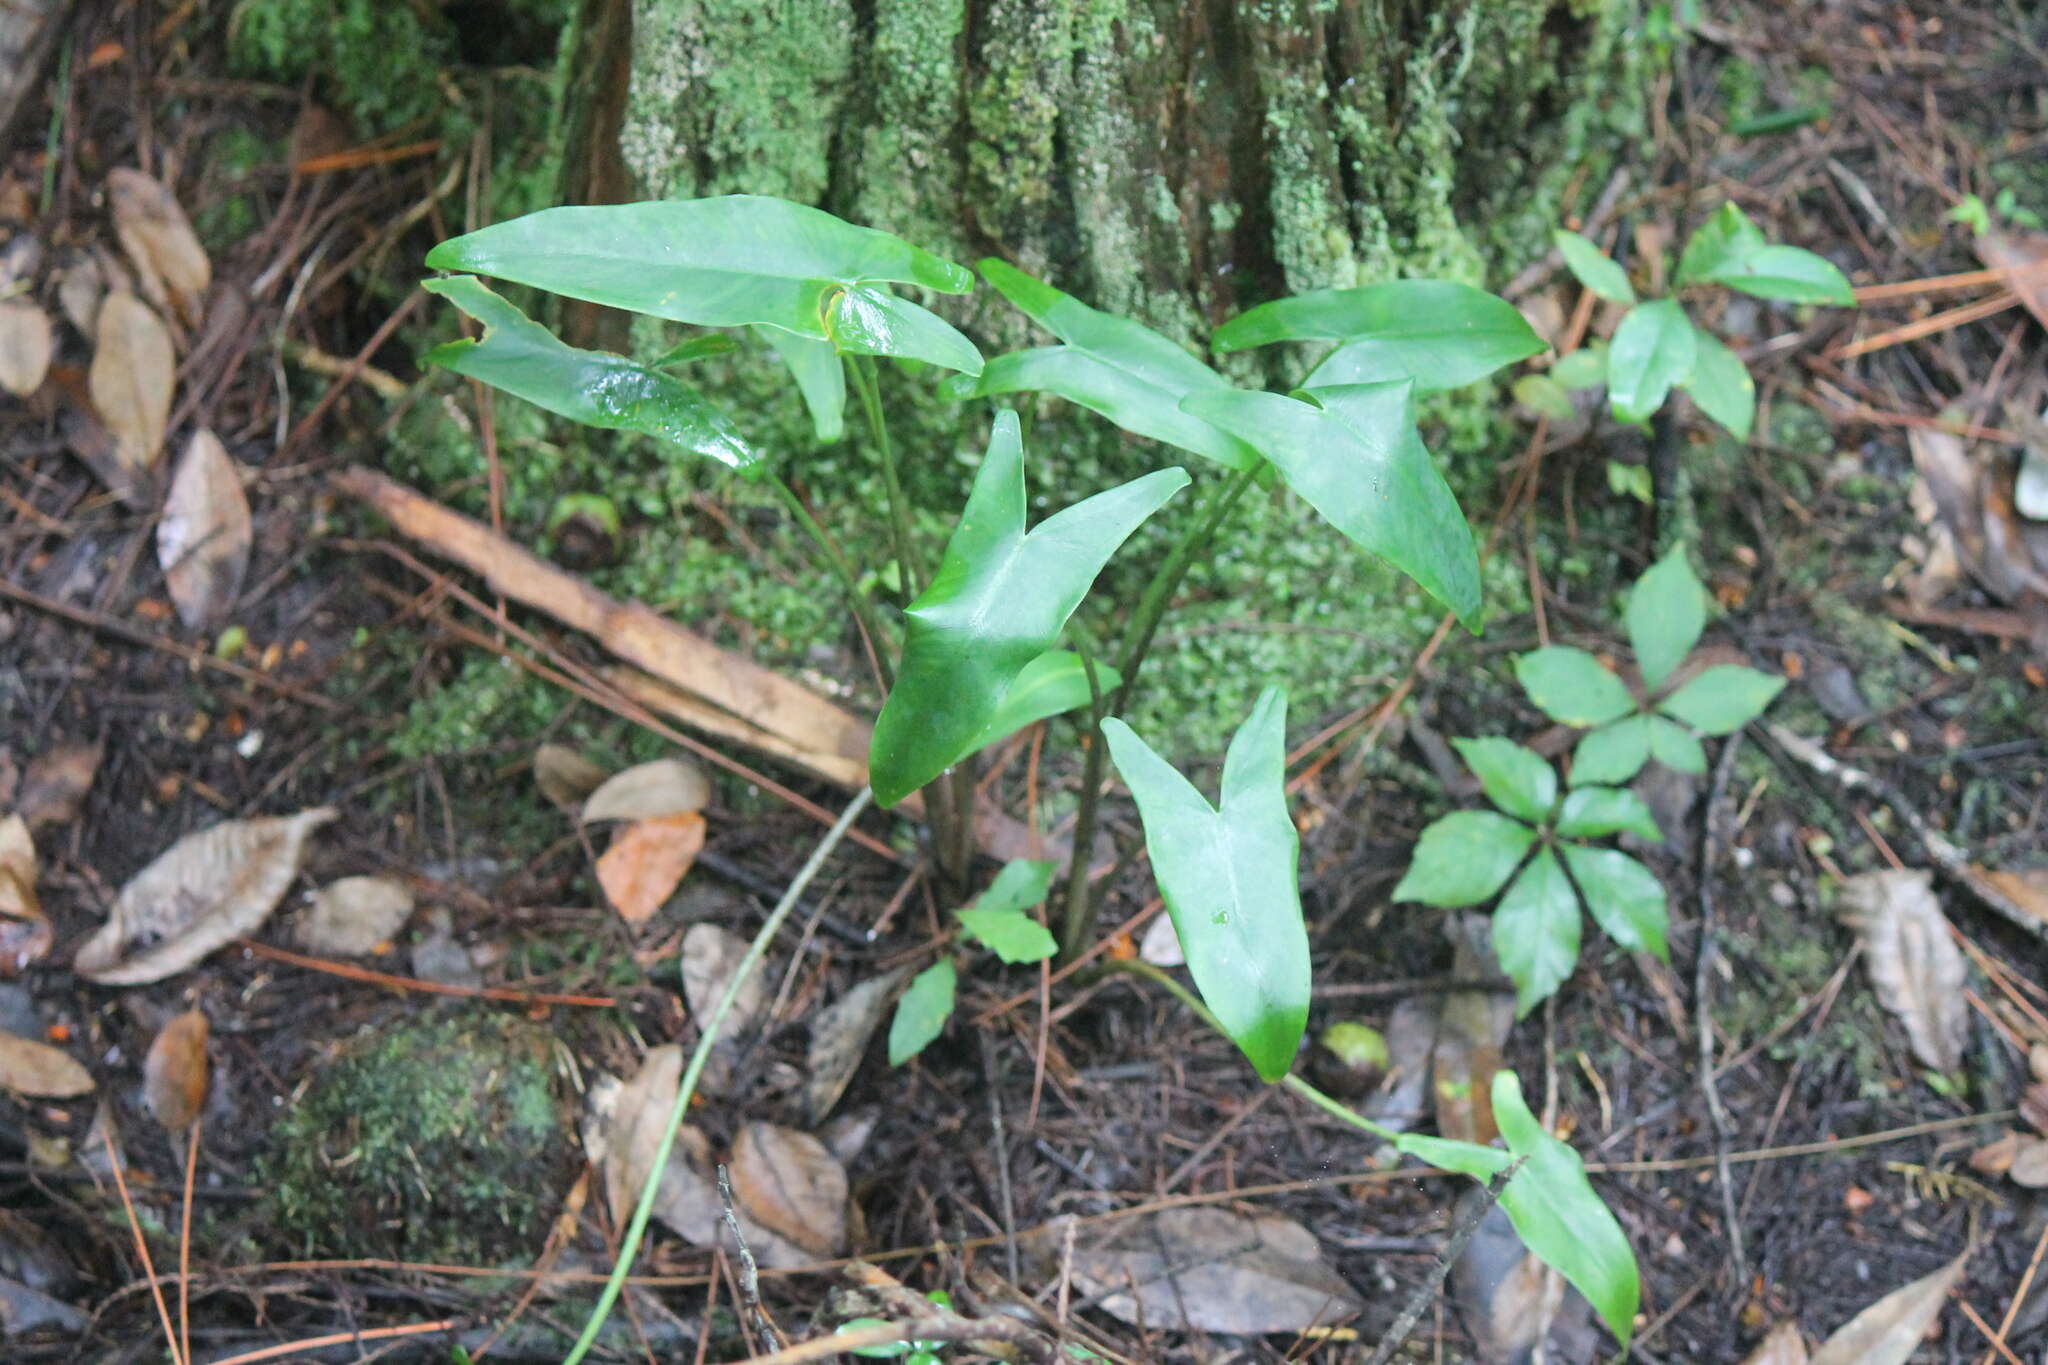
(1536, 930)
(1719, 243)
(998, 602)
(1653, 350)
(1110, 365)
(595, 388)
(1516, 780)
(1674, 746)
(1721, 385)
(1723, 699)
(1051, 684)
(997, 920)
(1572, 686)
(1730, 250)
(1229, 876)
(1596, 812)
(1463, 858)
(1353, 454)
(1594, 268)
(922, 1013)
(1667, 610)
(1624, 897)
(1612, 754)
(1436, 333)
(732, 261)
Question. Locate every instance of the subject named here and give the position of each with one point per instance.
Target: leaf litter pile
(276, 986)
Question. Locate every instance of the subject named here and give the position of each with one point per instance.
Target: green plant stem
(908, 575)
(863, 606)
(1078, 923)
(629, 1246)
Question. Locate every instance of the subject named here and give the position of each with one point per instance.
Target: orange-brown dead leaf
(647, 861)
(175, 1073)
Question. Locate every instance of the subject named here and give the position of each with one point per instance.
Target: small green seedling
(999, 921)
(1468, 856)
(1667, 610)
(1658, 347)
(912, 1352)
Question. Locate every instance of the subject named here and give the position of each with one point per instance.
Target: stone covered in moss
(441, 1137)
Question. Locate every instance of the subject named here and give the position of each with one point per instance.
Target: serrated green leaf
(1624, 897)
(1110, 365)
(1675, 747)
(1652, 351)
(1596, 812)
(1612, 754)
(1354, 455)
(922, 1013)
(1052, 684)
(998, 602)
(1558, 1215)
(1788, 274)
(1229, 876)
(1571, 686)
(1720, 243)
(1536, 931)
(1436, 333)
(1585, 368)
(1721, 385)
(1594, 268)
(596, 388)
(1463, 858)
(732, 261)
(820, 378)
(1723, 699)
(1667, 610)
(1513, 778)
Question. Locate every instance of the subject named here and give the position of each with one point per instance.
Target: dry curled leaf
(1996, 1156)
(132, 375)
(28, 1067)
(564, 776)
(667, 786)
(639, 1116)
(175, 1072)
(2021, 258)
(206, 890)
(840, 1034)
(202, 540)
(25, 932)
(153, 230)
(1210, 1270)
(80, 287)
(56, 783)
(646, 862)
(2026, 887)
(1782, 1345)
(1912, 958)
(2029, 1166)
(712, 957)
(789, 1183)
(1889, 1331)
(354, 916)
(26, 345)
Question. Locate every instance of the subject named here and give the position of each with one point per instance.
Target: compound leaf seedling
(1435, 333)
(997, 919)
(1229, 875)
(1666, 612)
(998, 602)
(922, 1013)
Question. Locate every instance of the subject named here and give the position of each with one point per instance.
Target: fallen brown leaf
(353, 916)
(1889, 1331)
(56, 783)
(80, 288)
(1913, 961)
(25, 931)
(2029, 1163)
(790, 1184)
(840, 1034)
(1782, 1345)
(647, 861)
(205, 890)
(26, 345)
(202, 540)
(28, 1067)
(2025, 887)
(1996, 1156)
(2021, 258)
(667, 786)
(639, 1117)
(158, 238)
(564, 776)
(712, 957)
(133, 372)
(175, 1073)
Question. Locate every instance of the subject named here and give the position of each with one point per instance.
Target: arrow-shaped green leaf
(596, 388)
(1439, 334)
(1229, 876)
(997, 603)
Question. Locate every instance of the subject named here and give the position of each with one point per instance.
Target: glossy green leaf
(1667, 610)
(731, 261)
(1536, 931)
(1585, 368)
(1624, 897)
(1790, 275)
(1594, 268)
(997, 921)
(868, 320)
(1513, 778)
(922, 1013)
(1463, 858)
(1596, 812)
(1674, 746)
(1723, 699)
(1721, 385)
(1720, 243)
(1229, 876)
(820, 376)
(1354, 455)
(1053, 683)
(1571, 686)
(596, 388)
(703, 347)
(1612, 754)
(1652, 351)
(1109, 365)
(1560, 1218)
(1436, 333)
(1449, 1154)
(998, 602)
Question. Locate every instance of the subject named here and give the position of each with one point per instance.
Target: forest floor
(394, 1157)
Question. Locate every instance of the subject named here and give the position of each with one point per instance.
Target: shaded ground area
(1050, 1115)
